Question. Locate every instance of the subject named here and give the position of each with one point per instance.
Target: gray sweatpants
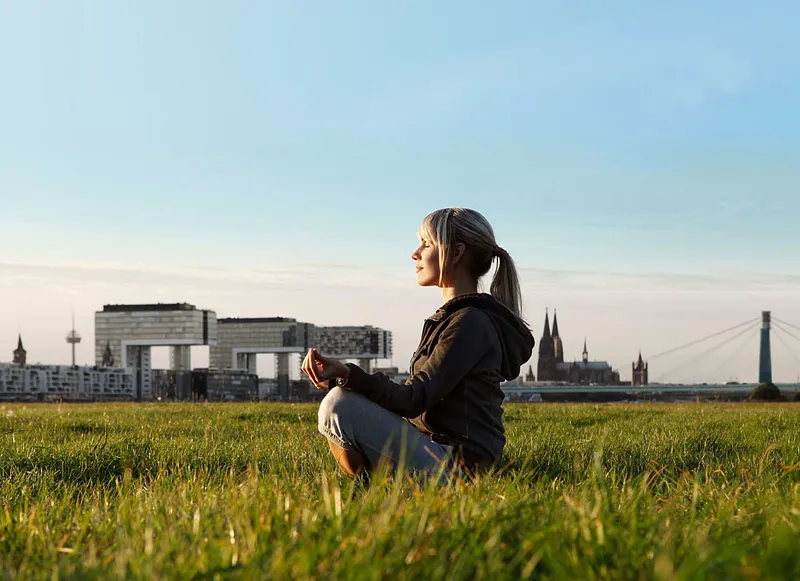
(353, 422)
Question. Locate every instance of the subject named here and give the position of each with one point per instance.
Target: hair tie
(498, 252)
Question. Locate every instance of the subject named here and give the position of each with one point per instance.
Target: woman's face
(426, 257)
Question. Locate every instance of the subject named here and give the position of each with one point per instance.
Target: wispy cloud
(344, 275)
(662, 281)
(302, 276)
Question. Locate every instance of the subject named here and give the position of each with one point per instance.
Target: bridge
(721, 349)
(737, 338)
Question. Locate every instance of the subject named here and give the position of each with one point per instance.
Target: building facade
(239, 340)
(39, 382)
(125, 334)
(364, 343)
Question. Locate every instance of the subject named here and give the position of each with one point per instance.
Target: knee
(335, 406)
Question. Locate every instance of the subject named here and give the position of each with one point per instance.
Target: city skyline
(276, 160)
(738, 361)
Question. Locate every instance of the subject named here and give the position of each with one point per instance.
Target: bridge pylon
(765, 356)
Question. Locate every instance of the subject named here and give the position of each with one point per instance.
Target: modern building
(62, 381)
(224, 385)
(639, 372)
(362, 343)
(125, 335)
(129, 332)
(552, 367)
(205, 384)
(239, 341)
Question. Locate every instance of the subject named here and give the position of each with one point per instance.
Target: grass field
(666, 491)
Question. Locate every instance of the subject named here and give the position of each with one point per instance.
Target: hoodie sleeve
(460, 346)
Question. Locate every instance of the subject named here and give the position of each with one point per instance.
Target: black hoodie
(468, 346)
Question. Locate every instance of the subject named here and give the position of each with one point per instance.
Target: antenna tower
(73, 338)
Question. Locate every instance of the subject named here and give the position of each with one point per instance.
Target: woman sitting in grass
(448, 414)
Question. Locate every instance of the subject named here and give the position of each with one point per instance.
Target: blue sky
(292, 149)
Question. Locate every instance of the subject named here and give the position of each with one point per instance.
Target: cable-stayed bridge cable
(735, 353)
(780, 327)
(717, 334)
(786, 323)
(707, 351)
(789, 349)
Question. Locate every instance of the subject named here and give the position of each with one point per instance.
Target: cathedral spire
(585, 352)
(546, 334)
(555, 324)
(19, 343)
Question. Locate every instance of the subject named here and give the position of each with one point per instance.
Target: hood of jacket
(515, 337)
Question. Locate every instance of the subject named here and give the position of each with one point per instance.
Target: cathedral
(552, 367)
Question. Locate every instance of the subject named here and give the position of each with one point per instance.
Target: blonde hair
(449, 226)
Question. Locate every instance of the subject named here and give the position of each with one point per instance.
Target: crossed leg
(352, 462)
(361, 435)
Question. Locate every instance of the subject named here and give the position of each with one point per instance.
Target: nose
(416, 255)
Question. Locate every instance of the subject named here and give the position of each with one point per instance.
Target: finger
(307, 372)
(308, 369)
(313, 367)
(321, 363)
(326, 368)
(306, 366)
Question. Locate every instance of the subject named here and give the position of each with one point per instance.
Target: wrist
(341, 381)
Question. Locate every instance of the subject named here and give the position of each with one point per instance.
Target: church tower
(108, 356)
(558, 346)
(530, 377)
(585, 352)
(20, 355)
(639, 372)
(546, 367)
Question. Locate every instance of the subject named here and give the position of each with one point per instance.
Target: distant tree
(766, 392)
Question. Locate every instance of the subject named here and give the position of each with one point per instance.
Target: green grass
(700, 491)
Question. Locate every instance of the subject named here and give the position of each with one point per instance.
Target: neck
(459, 288)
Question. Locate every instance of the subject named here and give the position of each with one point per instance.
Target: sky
(640, 161)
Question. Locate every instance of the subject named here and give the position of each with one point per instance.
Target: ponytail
(505, 283)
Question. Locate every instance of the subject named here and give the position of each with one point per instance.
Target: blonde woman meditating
(448, 414)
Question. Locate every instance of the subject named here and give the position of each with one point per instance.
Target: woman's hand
(321, 369)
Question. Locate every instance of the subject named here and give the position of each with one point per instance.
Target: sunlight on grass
(249, 491)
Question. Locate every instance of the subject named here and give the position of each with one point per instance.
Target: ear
(458, 252)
